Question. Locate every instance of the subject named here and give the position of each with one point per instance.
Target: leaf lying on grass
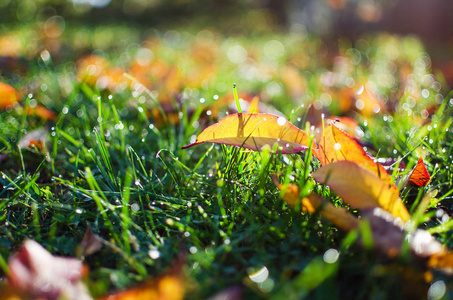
(253, 131)
(360, 188)
(311, 203)
(36, 138)
(8, 96)
(36, 274)
(335, 145)
(168, 286)
(420, 175)
(42, 112)
(387, 232)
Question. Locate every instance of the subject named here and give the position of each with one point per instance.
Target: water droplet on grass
(331, 256)
(259, 276)
(135, 207)
(154, 254)
(437, 290)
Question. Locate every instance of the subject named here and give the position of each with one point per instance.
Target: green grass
(109, 166)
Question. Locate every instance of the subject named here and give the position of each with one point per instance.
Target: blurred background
(430, 20)
(232, 40)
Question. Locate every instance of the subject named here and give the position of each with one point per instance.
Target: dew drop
(359, 104)
(281, 121)
(135, 207)
(154, 254)
(331, 256)
(376, 109)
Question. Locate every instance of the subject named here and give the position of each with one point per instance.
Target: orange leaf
(338, 216)
(8, 96)
(420, 175)
(253, 106)
(360, 188)
(42, 112)
(336, 145)
(367, 102)
(253, 131)
(168, 287)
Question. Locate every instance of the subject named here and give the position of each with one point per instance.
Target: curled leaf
(420, 175)
(254, 131)
(360, 188)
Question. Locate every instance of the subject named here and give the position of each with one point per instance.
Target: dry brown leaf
(36, 274)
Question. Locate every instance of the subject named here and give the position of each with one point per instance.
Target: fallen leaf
(90, 68)
(361, 188)
(295, 83)
(387, 231)
(10, 45)
(34, 139)
(35, 273)
(254, 131)
(338, 216)
(8, 96)
(91, 243)
(420, 175)
(336, 145)
(165, 288)
(389, 235)
(42, 112)
(94, 70)
(347, 125)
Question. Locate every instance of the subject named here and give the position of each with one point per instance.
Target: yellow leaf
(253, 131)
(360, 188)
(338, 216)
